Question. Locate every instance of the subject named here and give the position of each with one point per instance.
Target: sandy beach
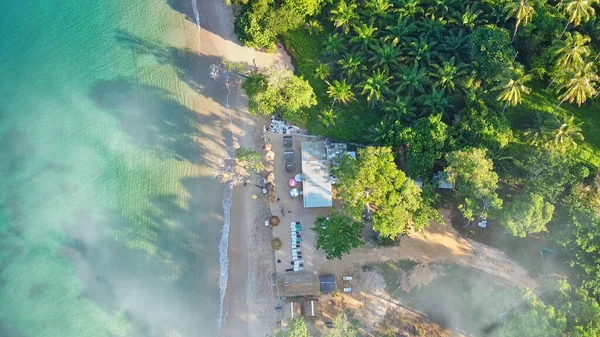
(250, 295)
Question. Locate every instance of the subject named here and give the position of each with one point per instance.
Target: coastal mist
(110, 126)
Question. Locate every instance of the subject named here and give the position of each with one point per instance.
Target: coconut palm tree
(333, 45)
(328, 117)
(410, 8)
(365, 36)
(577, 11)
(521, 10)
(413, 80)
(314, 27)
(401, 108)
(436, 102)
(570, 52)
(386, 56)
(375, 86)
(380, 8)
(352, 66)
(448, 73)
(431, 27)
(468, 18)
(340, 91)
(512, 88)
(386, 132)
(401, 30)
(322, 71)
(561, 135)
(344, 14)
(422, 49)
(579, 85)
(453, 44)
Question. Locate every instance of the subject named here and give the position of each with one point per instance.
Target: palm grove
(489, 91)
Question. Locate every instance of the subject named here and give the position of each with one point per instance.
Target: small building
(316, 173)
(441, 181)
(299, 284)
(311, 309)
(327, 283)
(291, 310)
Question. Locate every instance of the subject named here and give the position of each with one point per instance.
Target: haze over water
(109, 217)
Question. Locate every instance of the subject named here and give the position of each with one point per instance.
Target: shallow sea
(109, 222)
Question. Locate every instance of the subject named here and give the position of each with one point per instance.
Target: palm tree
(386, 56)
(570, 52)
(402, 29)
(378, 8)
(328, 117)
(453, 44)
(352, 65)
(421, 50)
(512, 88)
(314, 27)
(333, 45)
(413, 80)
(365, 36)
(343, 15)
(400, 108)
(386, 133)
(340, 91)
(375, 86)
(431, 27)
(322, 71)
(561, 135)
(580, 85)
(469, 18)
(410, 8)
(577, 11)
(436, 102)
(522, 10)
(447, 73)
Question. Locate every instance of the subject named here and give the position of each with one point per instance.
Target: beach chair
(348, 290)
(347, 278)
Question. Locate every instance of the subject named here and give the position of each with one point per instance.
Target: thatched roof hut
(292, 310)
(299, 284)
(311, 309)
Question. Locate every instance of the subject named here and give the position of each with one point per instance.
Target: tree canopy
(475, 179)
(528, 213)
(373, 179)
(278, 90)
(337, 234)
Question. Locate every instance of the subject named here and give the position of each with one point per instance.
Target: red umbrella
(292, 182)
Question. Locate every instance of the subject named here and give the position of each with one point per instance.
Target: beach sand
(250, 293)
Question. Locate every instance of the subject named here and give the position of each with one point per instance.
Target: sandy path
(440, 243)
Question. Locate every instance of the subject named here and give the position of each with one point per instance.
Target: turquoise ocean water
(105, 226)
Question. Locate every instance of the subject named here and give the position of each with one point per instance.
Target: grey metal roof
(315, 169)
(327, 283)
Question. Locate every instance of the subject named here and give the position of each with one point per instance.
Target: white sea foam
(224, 243)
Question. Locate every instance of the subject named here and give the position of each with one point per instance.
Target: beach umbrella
(270, 155)
(270, 177)
(292, 182)
(274, 221)
(299, 177)
(267, 147)
(272, 198)
(276, 244)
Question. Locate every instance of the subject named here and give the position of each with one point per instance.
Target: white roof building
(315, 172)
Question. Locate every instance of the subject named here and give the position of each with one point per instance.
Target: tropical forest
(499, 97)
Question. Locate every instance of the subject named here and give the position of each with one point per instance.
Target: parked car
(287, 141)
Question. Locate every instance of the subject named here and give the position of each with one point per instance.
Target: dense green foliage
(528, 213)
(517, 78)
(296, 328)
(338, 234)
(473, 174)
(343, 326)
(250, 159)
(278, 91)
(374, 181)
